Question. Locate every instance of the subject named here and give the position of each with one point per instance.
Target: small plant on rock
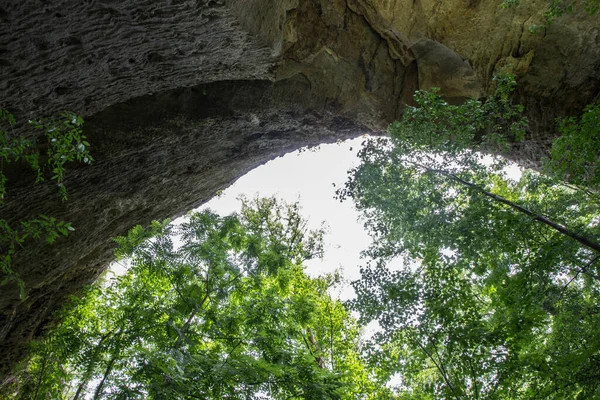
(65, 144)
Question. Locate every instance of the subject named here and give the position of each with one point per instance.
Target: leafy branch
(64, 144)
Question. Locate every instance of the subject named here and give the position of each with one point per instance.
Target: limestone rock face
(182, 97)
(441, 67)
(558, 68)
(88, 55)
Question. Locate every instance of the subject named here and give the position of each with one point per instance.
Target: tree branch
(540, 218)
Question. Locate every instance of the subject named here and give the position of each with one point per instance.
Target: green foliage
(575, 155)
(557, 8)
(510, 3)
(218, 308)
(434, 125)
(489, 301)
(65, 144)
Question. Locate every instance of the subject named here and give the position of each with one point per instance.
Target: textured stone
(558, 67)
(441, 67)
(88, 55)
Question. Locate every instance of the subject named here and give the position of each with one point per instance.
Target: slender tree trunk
(439, 366)
(540, 218)
(89, 369)
(39, 382)
(109, 367)
(107, 372)
(313, 342)
(80, 388)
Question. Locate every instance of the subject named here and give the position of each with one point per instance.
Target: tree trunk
(88, 372)
(107, 372)
(540, 218)
(313, 341)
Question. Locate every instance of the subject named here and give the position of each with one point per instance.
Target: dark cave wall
(88, 55)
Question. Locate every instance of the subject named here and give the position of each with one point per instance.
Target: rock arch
(182, 97)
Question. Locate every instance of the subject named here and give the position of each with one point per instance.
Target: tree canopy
(498, 294)
(217, 308)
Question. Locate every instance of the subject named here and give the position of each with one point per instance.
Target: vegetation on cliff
(62, 143)
(557, 8)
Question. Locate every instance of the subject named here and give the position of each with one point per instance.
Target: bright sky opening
(308, 176)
